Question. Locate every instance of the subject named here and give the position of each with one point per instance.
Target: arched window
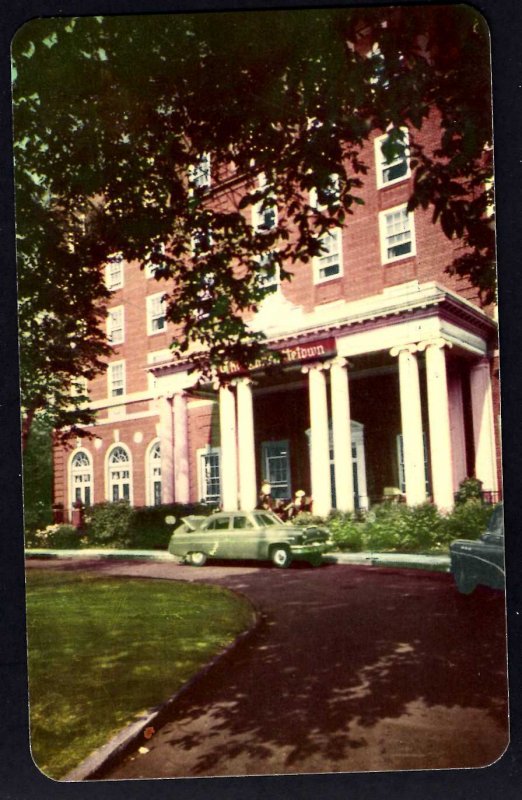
(154, 472)
(81, 478)
(119, 474)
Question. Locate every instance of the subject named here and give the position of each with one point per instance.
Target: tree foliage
(112, 114)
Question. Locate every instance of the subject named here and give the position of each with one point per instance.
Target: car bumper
(306, 550)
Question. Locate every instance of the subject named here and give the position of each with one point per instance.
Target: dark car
(482, 561)
(257, 535)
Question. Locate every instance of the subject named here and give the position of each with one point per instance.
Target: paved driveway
(353, 668)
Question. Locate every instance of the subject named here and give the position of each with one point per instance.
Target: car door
(214, 538)
(244, 537)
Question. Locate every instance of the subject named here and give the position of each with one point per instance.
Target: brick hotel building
(389, 378)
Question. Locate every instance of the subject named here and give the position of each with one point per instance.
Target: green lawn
(102, 650)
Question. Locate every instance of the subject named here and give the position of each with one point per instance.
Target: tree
(112, 116)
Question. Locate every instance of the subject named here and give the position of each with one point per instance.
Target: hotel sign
(321, 348)
(294, 354)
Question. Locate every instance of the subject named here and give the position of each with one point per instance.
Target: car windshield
(265, 518)
(496, 523)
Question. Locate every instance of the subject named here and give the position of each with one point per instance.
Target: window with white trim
(394, 166)
(116, 378)
(81, 478)
(209, 474)
(199, 174)
(154, 470)
(400, 462)
(329, 264)
(156, 313)
(275, 457)
(151, 267)
(115, 329)
(119, 474)
(114, 273)
(269, 274)
(264, 212)
(264, 220)
(397, 234)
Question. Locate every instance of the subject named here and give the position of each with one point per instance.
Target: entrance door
(360, 497)
(276, 468)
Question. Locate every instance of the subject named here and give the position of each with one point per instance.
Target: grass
(103, 650)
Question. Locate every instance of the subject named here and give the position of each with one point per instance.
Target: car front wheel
(465, 583)
(281, 557)
(197, 559)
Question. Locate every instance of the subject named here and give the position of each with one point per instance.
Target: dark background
(19, 778)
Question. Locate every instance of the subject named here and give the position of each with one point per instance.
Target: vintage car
(259, 535)
(482, 561)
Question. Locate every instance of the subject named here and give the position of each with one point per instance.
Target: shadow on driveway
(353, 668)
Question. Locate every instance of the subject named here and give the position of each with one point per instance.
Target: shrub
(467, 521)
(55, 537)
(109, 524)
(346, 532)
(305, 518)
(148, 529)
(37, 515)
(400, 528)
(469, 489)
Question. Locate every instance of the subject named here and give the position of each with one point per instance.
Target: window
(241, 523)
(116, 378)
(201, 242)
(392, 167)
(218, 524)
(328, 265)
(400, 461)
(199, 175)
(264, 220)
(269, 274)
(156, 309)
(264, 213)
(209, 475)
(114, 273)
(150, 266)
(81, 478)
(276, 468)
(154, 472)
(119, 474)
(115, 330)
(326, 194)
(397, 234)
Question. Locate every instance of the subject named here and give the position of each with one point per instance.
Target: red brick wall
(363, 276)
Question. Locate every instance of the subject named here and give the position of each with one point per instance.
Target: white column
(246, 445)
(181, 450)
(167, 455)
(227, 425)
(483, 426)
(411, 417)
(439, 419)
(342, 434)
(319, 441)
(458, 433)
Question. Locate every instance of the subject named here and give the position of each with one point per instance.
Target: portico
(401, 401)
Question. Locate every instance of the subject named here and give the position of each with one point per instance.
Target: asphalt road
(352, 669)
